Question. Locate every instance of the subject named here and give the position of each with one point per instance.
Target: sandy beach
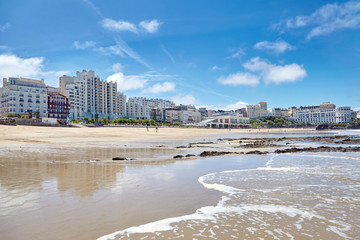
(61, 183)
(13, 136)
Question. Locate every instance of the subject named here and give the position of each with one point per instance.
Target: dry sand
(17, 136)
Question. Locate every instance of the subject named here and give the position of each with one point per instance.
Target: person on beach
(156, 129)
(147, 128)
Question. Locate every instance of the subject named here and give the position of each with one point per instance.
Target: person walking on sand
(147, 128)
(156, 129)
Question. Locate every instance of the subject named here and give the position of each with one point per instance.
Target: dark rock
(257, 152)
(190, 155)
(178, 156)
(119, 158)
(214, 153)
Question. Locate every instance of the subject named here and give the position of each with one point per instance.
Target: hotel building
(323, 113)
(257, 111)
(92, 97)
(23, 96)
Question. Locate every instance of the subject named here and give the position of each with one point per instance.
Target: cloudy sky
(219, 54)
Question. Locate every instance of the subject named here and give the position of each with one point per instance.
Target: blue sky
(218, 54)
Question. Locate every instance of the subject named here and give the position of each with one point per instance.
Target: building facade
(257, 111)
(324, 113)
(91, 97)
(23, 96)
(182, 114)
(58, 106)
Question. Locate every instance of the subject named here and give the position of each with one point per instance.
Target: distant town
(86, 96)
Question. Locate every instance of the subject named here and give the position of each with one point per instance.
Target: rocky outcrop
(319, 149)
(215, 153)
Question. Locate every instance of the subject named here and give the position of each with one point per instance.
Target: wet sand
(60, 183)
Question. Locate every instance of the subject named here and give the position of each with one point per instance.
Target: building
(91, 97)
(58, 106)
(229, 120)
(182, 114)
(279, 112)
(136, 108)
(23, 96)
(323, 113)
(257, 111)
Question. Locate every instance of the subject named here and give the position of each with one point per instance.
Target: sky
(207, 53)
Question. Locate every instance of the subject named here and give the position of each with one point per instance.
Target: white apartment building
(229, 120)
(136, 108)
(257, 111)
(23, 95)
(323, 113)
(91, 97)
(182, 114)
(279, 112)
(145, 108)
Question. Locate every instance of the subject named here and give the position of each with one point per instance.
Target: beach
(61, 183)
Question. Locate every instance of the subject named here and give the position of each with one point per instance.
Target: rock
(190, 155)
(178, 156)
(119, 158)
(257, 152)
(214, 153)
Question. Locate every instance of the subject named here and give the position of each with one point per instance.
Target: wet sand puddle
(303, 196)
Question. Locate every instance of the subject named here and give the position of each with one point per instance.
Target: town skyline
(213, 55)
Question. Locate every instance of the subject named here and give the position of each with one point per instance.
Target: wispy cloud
(277, 47)
(187, 99)
(84, 45)
(117, 67)
(150, 26)
(167, 53)
(121, 25)
(327, 19)
(227, 107)
(161, 88)
(240, 79)
(14, 66)
(126, 83)
(215, 67)
(123, 50)
(238, 53)
(4, 27)
(118, 26)
(276, 73)
(94, 8)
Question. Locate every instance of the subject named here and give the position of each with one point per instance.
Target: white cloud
(167, 53)
(279, 46)
(121, 25)
(235, 106)
(160, 88)
(239, 79)
(118, 26)
(150, 26)
(215, 67)
(14, 66)
(327, 19)
(185, 99)
(357, 109)
(4, 27)
(117, 67)
(123, 50)
(85, 45)
(125, 83)
(238, 54)
(276, 73)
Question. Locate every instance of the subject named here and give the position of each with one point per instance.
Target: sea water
(293, 196)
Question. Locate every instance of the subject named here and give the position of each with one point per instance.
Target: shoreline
(23, 136)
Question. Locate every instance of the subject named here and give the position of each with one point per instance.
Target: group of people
(147, 128)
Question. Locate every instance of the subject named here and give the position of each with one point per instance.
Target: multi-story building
(257, 111)
(229, 120)
(58, 106)
(92, 97)
(279, 112)
(136, 108)
(323, 113)
(182, 114)
(23, 96)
